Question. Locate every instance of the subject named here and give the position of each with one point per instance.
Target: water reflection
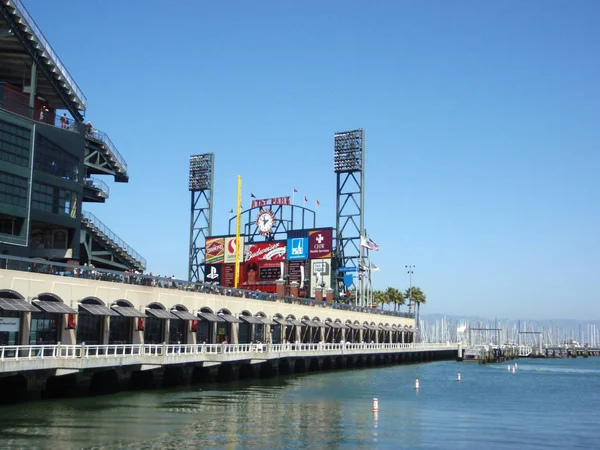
(332, 410)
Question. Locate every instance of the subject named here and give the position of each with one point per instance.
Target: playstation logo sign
(213, 274)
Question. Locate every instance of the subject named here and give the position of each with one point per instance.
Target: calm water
(546, 404)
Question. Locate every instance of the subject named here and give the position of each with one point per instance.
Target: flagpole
(294, 196)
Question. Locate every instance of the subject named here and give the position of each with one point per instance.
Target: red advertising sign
(270, 201)
(215, 250)
(320, 243)
(265, 251)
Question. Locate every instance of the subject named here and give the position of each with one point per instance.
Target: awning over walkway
(160, 313)
(370, 327)
(295, 322)
(312, 324)
(266, 320)
(183, 315)
(97, 310)
(210, 317)
(355, 326)
(128, 311)
(229, 318)
(16, 304)
(54, 307)
(281, 321)
(335, 325)
(251, 319)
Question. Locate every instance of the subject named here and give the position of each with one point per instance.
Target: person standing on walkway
(64, 121)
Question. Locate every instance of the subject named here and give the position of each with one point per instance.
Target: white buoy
(508, 367)
(458, 377)
(516, 366)
(417, 384)
(375, 404)
(513, 371)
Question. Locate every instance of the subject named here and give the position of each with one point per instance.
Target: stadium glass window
(203, 334)
(120, 330)
(54, 160)
(14, 144)
(13, 190)
(54, 200)
(177, 334)
(9, 337)
(244, 333)
(11, 225)
(89, 328)
(45, 328)
(154, 331)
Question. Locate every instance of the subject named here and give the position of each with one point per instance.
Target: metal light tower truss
(201, 182)
(349, 166)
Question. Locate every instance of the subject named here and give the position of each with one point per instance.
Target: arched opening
(224, 329)
(12, 308)
(9, 293)
(156, 323)
(47, 322)
(180, 326)
(207, 326)
(122, 325)
(91, 320)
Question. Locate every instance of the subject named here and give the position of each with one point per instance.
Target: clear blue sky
(482, 125)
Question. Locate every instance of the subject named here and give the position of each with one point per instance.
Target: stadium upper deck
(49, 155)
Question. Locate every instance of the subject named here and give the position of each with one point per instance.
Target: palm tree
(395, 296)
(417, 296)
(379, 298)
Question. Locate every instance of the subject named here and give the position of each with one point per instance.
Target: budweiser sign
(215, 250)
(265, 251)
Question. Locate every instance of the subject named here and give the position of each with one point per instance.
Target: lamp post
(410, 272)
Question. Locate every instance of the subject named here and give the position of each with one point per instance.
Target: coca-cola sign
(215, 250)
(265, 251)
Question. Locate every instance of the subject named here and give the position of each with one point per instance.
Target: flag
(368, 243)
(305, 199)
(252, 195)
(295, 190)
(231, 211)
(374, 268)
(318, 202)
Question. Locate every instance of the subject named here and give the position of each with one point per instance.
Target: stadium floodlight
(348, 153)
(201, 168)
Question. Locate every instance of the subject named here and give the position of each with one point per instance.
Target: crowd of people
(171, 282)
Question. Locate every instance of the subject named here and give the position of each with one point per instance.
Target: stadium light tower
(201, 182)
(349, 166)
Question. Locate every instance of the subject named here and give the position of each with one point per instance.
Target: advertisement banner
(10, 324)
(320, 274)
(255, 274)
(212, 273)
(215, 250)
(297, 248)
(230, 249)
(265, 251)
(228, 275)
(320, 243)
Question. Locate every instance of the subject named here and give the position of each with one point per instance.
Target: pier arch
(92, 323)
(47, 325)
(180, 326)
(155, 329)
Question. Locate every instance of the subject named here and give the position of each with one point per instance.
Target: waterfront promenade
(30, 371)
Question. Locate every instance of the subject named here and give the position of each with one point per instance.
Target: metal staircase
(105, 249)
(103, 158)
(31, 37)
